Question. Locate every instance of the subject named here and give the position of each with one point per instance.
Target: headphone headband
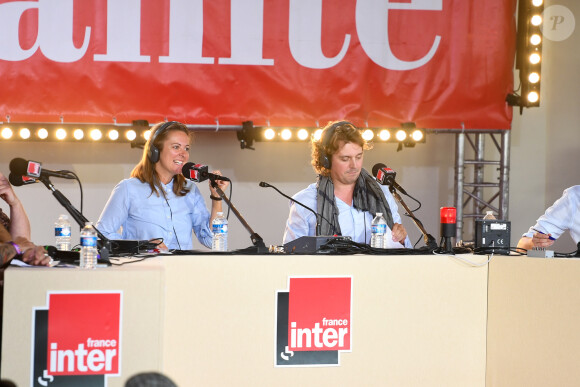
(153, 152)
(325, 159)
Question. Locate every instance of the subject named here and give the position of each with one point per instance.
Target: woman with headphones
(157, 202)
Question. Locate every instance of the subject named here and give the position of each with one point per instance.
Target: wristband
(16, 247)
(214, 198)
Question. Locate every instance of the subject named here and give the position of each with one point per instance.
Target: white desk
(210, 320)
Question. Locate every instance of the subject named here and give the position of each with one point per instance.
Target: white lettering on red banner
(377, 62)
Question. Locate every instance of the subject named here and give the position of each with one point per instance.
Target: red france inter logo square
(319, 314)
(84, 333)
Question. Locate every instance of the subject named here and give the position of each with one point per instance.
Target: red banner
(438, 63)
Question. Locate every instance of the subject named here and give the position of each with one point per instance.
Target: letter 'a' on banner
(440, 64)
(314, 321)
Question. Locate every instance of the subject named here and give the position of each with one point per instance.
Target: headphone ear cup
(153, 154)
(324, 161)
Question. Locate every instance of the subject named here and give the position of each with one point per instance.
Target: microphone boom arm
(430, 241)
(318, 216)
(257, 240)
(105, 243)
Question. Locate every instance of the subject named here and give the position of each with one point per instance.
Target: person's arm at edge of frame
(19, 222)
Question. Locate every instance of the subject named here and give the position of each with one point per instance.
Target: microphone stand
(430, 242)
(317, 215)
(104, 243)
(257, 241)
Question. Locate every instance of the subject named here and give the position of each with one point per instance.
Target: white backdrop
(421, 170)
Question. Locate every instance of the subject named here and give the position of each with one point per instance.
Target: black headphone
(153, 151)
(324, 159)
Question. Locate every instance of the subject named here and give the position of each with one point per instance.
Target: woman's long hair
(145, 170)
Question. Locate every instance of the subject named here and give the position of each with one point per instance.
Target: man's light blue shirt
(353, 223)
(143, 215)
(563, 215)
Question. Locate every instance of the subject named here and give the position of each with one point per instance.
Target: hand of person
(161, 246)
(6, 192)
(542, 240)
(32, 254)
(399, 233)
(222, 184)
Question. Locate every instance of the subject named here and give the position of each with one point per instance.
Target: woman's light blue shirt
(143, 215)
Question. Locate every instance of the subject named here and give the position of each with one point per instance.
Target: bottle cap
(220, 213)
(379, 214)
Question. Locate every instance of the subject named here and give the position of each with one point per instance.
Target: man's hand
(542, 240)
(32, 254)
(399, 233)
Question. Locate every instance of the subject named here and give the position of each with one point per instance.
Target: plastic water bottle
(219, 227)
(378, 230)
(88, 247)
(489, 216)
(62, 233)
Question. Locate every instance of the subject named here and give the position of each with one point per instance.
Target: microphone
(199, 173)
(386, 176)
(18, 180)
(29, 168)
(263, 184)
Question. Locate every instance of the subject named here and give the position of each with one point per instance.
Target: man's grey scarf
(368, 196)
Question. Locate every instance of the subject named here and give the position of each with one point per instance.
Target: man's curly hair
(342, 131)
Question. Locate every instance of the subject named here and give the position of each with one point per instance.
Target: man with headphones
(157, 202)
(345, 197)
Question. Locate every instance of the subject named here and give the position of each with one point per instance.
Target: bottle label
(380, 229)
(89, 241)
(62, 231)
(219, 228)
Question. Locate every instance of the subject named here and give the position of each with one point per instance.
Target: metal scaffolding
(489, 188)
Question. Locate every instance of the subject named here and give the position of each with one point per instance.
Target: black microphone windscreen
(15, 180)
(186, 168)
(264, 184)
(376, 168)
(18, 166)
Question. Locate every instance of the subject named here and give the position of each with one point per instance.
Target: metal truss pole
(474, 198)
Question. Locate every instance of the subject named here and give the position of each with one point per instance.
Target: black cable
(343, 246)
(172, 226)
(418, 240)
(127, 262)
(417, 201)
(80, 186)
(497, 250)
(231, 193)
